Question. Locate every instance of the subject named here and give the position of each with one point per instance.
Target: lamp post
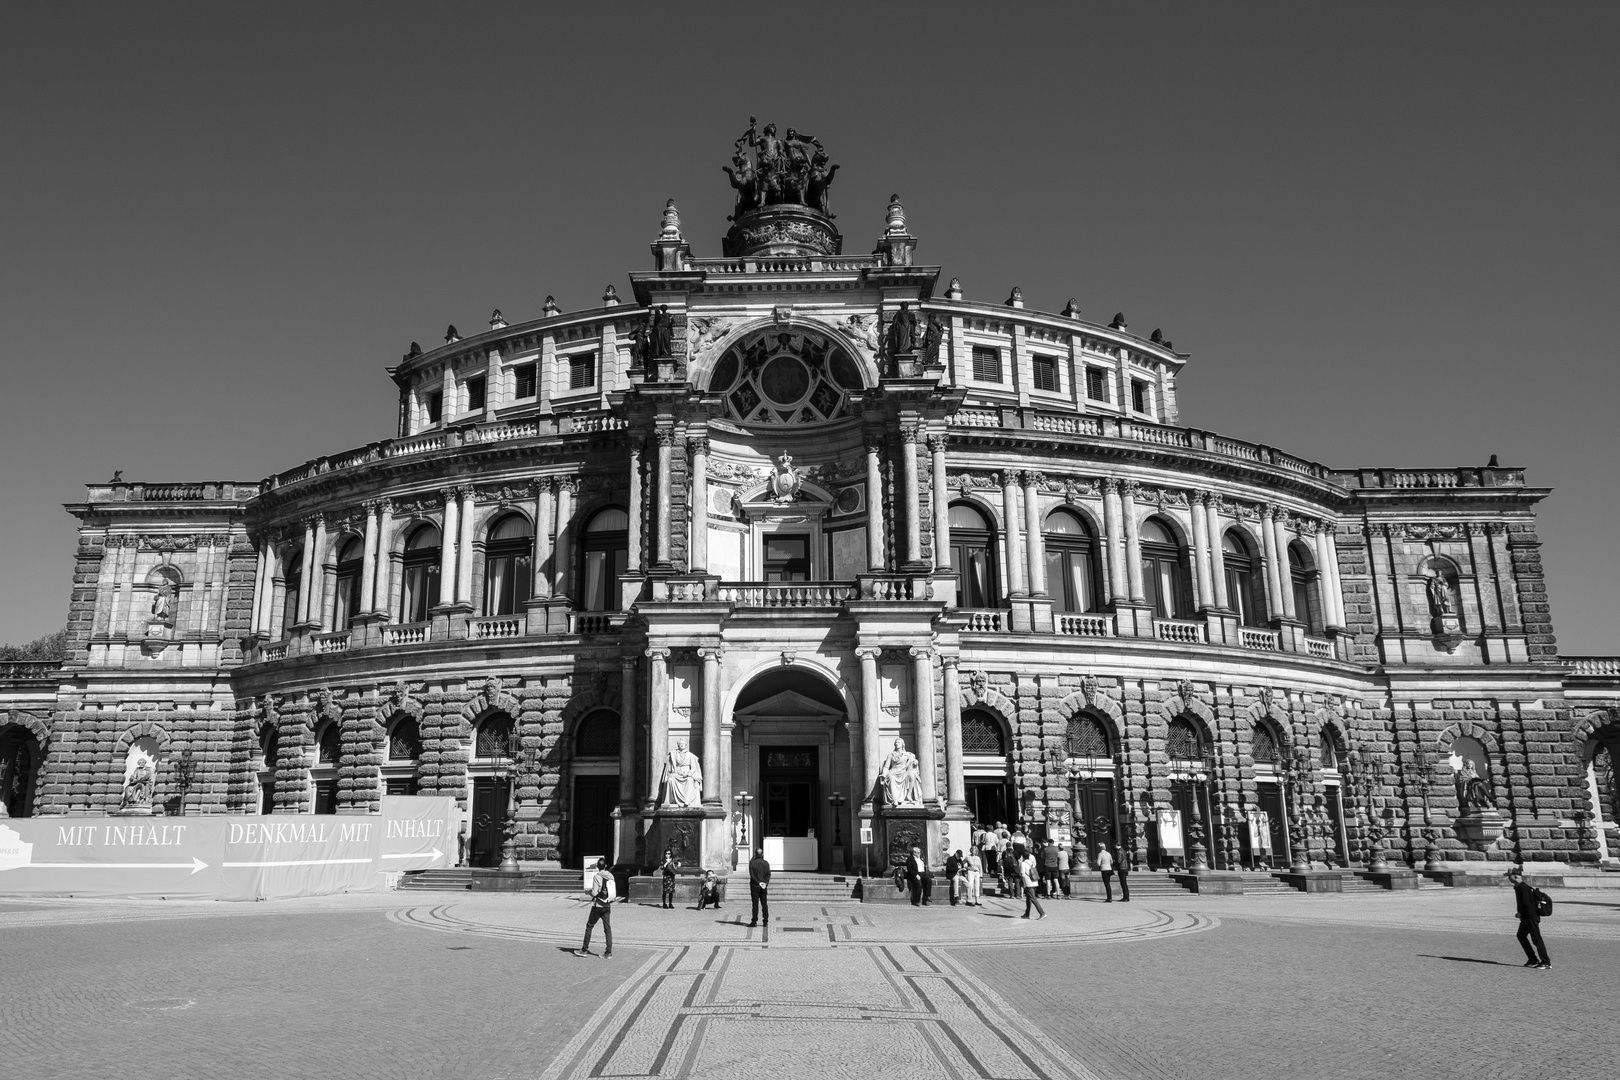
(837, 801)
(515, 760)
(1423, 782)
(1198, 775)
(744, 834)
(1366, 777)
(185, 771)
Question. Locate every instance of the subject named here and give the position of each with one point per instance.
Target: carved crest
(1267, 697)
(396, 695)
(785, 479)
(1089, 689)
(1184, 690)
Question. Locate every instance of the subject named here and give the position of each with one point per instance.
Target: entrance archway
(19, 770)
(791, 781)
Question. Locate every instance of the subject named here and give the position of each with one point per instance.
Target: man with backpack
(1531, 904)
(601, 893)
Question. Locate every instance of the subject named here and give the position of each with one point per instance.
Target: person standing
(1528, 902)
(1051, 861)
(1029, 874)
(668, 869)
(953, 872)
(989, 853)
(919, 878)
(759, 883)
(1105, 863)
(1063, 868)
(974, 869)
(1122, 864)
(601, 892)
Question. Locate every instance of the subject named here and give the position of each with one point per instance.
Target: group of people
(1031, 869)
(708, 887)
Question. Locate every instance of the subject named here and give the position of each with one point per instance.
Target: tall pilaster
(634, 540)
(627, 733)
(657, 722)
(1034, 546)
(1133, 541)
(922, 671)
(1285, 575)
(1114, 532)
(1217, 554)
(368, 563)
(464, 547)
(909, 434)
(563, 553)
(381, 600)
(874, 506)
(1200, 534)
(1268, 540)
(544, 494)
(711, 725)
(871, 737)
(942, 504)
(666, 450)
(447, 546)
(697, 544)
(955, 784)
(1016, 580)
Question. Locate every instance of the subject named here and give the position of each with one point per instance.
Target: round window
(785, 380)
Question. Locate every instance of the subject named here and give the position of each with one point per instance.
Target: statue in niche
(640, 344)
(683, 777)
(1473, 791)
(661, 333)
(1441, 603)
(138, 786)
(902, 335)
(933, 336)
(902, 782)
(164, 602)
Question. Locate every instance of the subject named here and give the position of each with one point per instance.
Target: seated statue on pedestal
(902, 783)
(683, 778)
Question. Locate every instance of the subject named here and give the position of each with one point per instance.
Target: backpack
(1543, 902)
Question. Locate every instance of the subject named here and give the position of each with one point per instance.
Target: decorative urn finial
(610, 298)
(895, 223)
(450, 334)
(954, 290)
(1119, 321)
(550, 308)
(1016, 300)
(496, 319)
(670, 229)
(1071, 310)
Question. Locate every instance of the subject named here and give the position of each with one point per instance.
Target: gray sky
(1387, 233)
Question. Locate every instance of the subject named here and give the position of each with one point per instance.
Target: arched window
(1182, 743)
(1329, 749)
(973, 557)
(346, 582)
(419, 585)
(1086, 738)
(508, 565)
(1262, 746)
(1307, 586)
(603, 558)
(981, 734)
(1162, 577)
(292, 589)
(404, 754)
(1071, 566)
(19, 762)
(494, 738)
(598, 735)
(328, 754)
(1242, 587)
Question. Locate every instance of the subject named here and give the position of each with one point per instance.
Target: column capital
(569, 484)
(372, 506)
(1006, 478)
(938, 443)
(1198, 498)
(310, 521)
(665, 436)
(1129, 489)
(657, 655)
(1109, 485)
(922, 652)
(711, 652)
(868, 653)
(874, 447)
(950, 659)
(911, 433)
(1032, 477)
(698, 444)
(1270, 511)
(628, 664)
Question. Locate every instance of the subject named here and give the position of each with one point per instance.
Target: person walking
(1063, 868)
(668, 869)
(974, 869)
(1030, 876)
(1122, 865)
(1051, 860)
(759, 883)
(1105, 863)
(601, 892)
(1530, 909)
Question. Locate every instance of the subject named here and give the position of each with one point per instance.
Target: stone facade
(751, 544)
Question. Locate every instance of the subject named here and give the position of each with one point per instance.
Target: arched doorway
(595, 769)
(1189, 823)
(491, 789)
(790, 772)
(1089, 762)
(19, 770)
(986, 775)
(1602, 757)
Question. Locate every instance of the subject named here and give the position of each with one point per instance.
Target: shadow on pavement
(1465, 960)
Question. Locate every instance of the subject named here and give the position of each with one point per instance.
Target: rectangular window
(581, 371)
(435, 406)
(787, 557)
(986, 364)
(475, 394)
(523, 380)
(1046, 373)
(1141, 399)
(1097, 383)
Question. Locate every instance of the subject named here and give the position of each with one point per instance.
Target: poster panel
(111, 856)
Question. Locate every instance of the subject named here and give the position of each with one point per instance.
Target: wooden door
(1094, 813)
(1270, 798)
(594, 800)
(488, 821)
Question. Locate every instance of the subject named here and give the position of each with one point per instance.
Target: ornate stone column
(1200, 533)
(909, 434)
(1114, 537)
(1268, 541)
(942, 504)
(922, 709)
(657, 722)
(1217, 556)
(563, 555)
(1336, 589)
(634, 556)
(448, 532)
(309, 604)
(368, 564)
(711, 725)
(381, 601)
(1015, 549)
(262, 586)
(955, 785)
(1034, 545)
(627, 733)
(875, 561)
(464, 547)
(1285, 576)
(1331, 615)
(542, 538)
(697, 545)
(871, 736)
(1133, 541)
(666, 444)
(320, 611)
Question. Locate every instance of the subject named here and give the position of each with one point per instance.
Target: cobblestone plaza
(1372, 985)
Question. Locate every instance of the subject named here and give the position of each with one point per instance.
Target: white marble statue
(902, 783)
(683, 777)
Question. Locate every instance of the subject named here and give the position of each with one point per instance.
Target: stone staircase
(460, 879)
(789, 887)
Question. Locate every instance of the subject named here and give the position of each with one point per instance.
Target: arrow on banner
(194, 865)
(436, 853)
(298, 862)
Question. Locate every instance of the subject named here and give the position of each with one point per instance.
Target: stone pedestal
(1394, 880)
(1479, 829)
(1215, 882)
(697, 835)
(898, 828)
(1312, 881)
(498, 880)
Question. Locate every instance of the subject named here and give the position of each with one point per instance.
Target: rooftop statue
(792, 171)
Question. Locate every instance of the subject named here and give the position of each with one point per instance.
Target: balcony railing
(1086, 625)
(1179, 630)
(590, 622)
(1598, 667)
(782, 594)
(329, 643)
(886, 587)
(1320, 648)
(406, 633)
(984, 621)
(272, 653)
(1263, 640)
(503, 626)
(29, 670)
